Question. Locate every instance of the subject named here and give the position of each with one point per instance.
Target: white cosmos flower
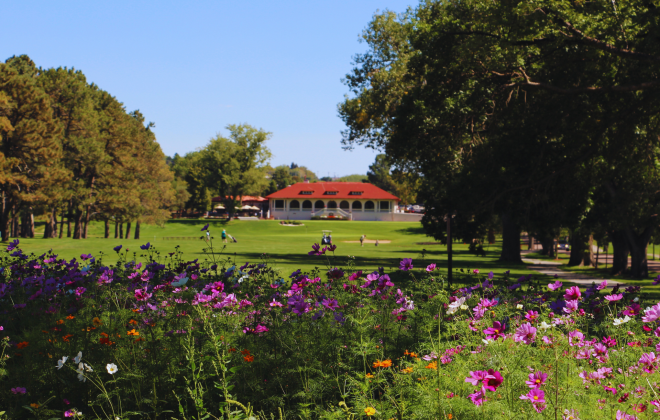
(77, 358)
(519, 306)
(619, 321)
(544, 325)
(636, 300)
(453, 307)
(464, 307)
(112, 368)
(61, 363)
(486, 341)
(88, 368)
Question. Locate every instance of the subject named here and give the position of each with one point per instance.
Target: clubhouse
(335, 200)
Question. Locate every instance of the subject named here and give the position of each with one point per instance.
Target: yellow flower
(369, 411)
(369, 375)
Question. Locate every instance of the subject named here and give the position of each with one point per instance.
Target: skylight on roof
(306, 192)
(331, 192)
(355, 193)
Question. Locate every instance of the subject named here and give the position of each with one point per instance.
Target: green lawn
(285, 246)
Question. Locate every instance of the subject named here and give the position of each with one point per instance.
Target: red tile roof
(343, 189)
(244, 198)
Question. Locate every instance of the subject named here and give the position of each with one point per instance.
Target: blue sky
(194, 67)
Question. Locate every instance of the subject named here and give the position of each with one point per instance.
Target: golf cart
(327, 237)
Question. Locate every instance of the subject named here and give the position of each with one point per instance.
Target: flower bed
(154, 336)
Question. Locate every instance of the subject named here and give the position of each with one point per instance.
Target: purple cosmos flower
(525, 333)
(430, 267)
(572, 293)
(80, 291)
(85, 257)
(555, 286)
(117, 248)
(331, 248)
(614, 298)
(205, 227)
(146, 246)
(406, 264)
(316, 250)
(536, 379)
(491, 275)
(657, 280)
(13, 244)
(18, 390)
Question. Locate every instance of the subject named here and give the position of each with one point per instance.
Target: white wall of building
(358, 209)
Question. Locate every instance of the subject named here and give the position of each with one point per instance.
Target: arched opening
(332, 204)
(369, 206)
(319, 205)
(357, 205)
(344, 205)
(307, 205)
(294, 205)
(384, 206)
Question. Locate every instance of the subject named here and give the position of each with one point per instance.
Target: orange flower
(450, 416)
(70, 317)
(231, 350)
(139, 339)
(405, 353)
(96, 321)
(369, 375)
(22, 345)
(132, 321)
(34, 405)
(407, 370)
(432, 365)
(383, 364)
(413, 354)
(104, 334)
(66, 337)
(245, 352)
(133, 332)
(44, 331)
(135, 310)
(248, 359)
(60, 322)
(89, 329)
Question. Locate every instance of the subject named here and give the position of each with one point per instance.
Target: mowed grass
(286, 247)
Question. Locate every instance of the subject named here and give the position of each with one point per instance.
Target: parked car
(564, 246)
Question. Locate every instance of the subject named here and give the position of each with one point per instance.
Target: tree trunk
(24, 225)
(128, 230)
(68, 222)
(638, 251)
(87, 216)
(619, 252)
(48, 228)
(107, 229)
(30, 224)
(5, 221)
(14, 225)
(577, 248)
(137, 230)
(588, 261)
(121, 231)
(62, 223)
(548, 246)
(510, 240)
(491, 236)
(116, 230)
(77, 227)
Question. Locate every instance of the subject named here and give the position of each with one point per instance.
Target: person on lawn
(362, 240)
(224, 236)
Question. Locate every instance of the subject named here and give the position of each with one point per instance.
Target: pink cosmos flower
(430, 267)
(485, 303)
(571, 306)
(494, 332)
(555, 286)
(614, 298)
(584, 353)
(478, 376)
(536, 379)
(575, 335)
(537, 398)
(610, 389)
(141, 294)
(620, 415)
(547, 340)
(656, 404)
(478, 398)
(652, 314)
(633, 310)
(531, 316)
(649, 362)
(572, 293)
(274, 303)
(602, 285)
(475, 271)
(525, 333)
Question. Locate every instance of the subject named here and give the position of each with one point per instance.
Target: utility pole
(449, 267)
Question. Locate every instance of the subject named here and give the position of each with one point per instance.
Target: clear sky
(193, 67)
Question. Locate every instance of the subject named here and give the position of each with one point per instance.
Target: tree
(281, 177)
(29, 147)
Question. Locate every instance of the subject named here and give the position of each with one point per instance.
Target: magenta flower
(80, 291)
(331, 304)
(649, 362)
(535, 396)
(525, 333)
(531, 316)
(536, 379)
(614, 298)
(430, 267)
(633, 310)
(475, 271)
(572, 293)
(494, 381)
(602, 285)
(620, 415)
(496, 331)
(141, 294)
(555, 286)
(610, 389)
(478, 398)
(406, 264)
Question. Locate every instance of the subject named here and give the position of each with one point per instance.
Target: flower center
(536, 398)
